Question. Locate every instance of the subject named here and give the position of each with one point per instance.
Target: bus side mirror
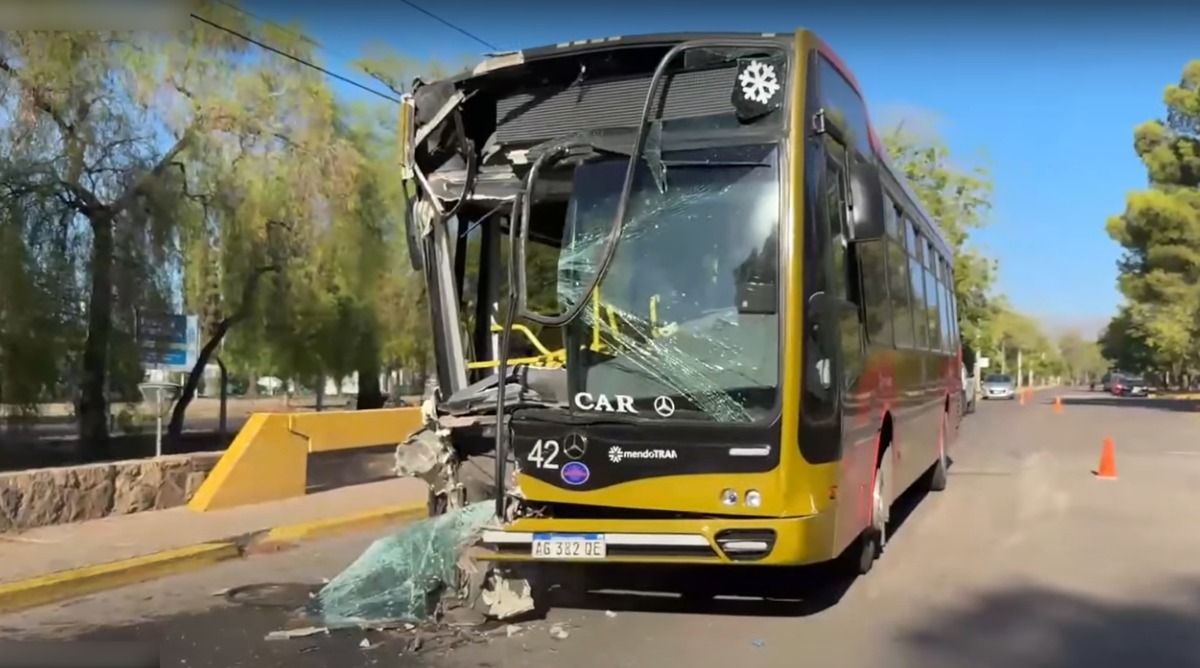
(866, 202)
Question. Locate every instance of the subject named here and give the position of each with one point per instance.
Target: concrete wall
(43, 497)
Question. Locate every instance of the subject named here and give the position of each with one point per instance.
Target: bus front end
(615, 229)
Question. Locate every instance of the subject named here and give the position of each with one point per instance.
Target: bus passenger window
(902, 320)
(920, 300)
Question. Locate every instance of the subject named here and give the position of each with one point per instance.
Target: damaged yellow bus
(726, 328)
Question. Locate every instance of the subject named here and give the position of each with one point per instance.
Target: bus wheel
(938, 477)
(872, 540)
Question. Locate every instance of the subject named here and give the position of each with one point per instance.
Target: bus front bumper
(768, 541)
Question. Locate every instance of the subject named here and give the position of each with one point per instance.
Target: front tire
(872, 541)
(939, 476)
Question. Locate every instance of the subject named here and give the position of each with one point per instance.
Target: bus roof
(501, 60)
(509, 58)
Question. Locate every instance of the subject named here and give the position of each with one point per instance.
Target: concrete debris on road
(508, 597)
(303, 632)
(610, 614)
(558, 632)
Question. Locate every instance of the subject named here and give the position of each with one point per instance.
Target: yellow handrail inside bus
(528, 334)
(654, 316)
(550, 359)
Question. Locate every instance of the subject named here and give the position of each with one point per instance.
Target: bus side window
(916, 275)
(899, 289)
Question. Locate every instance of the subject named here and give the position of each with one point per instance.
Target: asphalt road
(1026, 560)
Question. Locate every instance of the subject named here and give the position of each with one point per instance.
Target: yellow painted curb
(78, 582)
(336, 525)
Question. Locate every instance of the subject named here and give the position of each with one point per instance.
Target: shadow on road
(714, 590)
(1162, 404)
(1042, 628)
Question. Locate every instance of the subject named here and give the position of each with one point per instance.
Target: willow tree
(275, 181)
(114, 115)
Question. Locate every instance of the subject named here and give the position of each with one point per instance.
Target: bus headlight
(753, 498)
(729, 497)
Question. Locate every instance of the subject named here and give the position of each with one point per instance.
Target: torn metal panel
(430, 456)
(446, 312)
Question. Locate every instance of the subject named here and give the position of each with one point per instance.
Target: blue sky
(1044, 94)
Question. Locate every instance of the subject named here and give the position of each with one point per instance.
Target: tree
(1160, 232)
(92, 143)
(1081, 358)
(1124, 346)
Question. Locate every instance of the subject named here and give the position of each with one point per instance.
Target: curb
(333, 526)
(89, 579)
(77, 582)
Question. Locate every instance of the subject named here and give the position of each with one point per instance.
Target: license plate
(568, 546)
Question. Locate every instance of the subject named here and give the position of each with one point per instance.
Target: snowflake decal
(759, 83)
(614, 454)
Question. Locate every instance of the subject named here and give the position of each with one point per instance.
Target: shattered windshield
(688, 308)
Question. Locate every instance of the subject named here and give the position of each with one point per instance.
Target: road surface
(1026, 560)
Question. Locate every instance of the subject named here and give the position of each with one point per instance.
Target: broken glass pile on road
(403, 577)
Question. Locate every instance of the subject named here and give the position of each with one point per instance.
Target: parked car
(999, 386)
(968, 392)
(1130, 386)
(1106, 382)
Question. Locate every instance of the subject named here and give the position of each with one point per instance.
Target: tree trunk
(222, 419)
(193, 380)
(93, 405)
(175, 430)
(370, 394)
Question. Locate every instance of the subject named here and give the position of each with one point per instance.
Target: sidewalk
(50, 550)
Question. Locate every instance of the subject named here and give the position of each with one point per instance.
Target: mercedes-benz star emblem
(664, 406)
(575, 445)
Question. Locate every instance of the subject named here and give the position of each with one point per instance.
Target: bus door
(837, 338)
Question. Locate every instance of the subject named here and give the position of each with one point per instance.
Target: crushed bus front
(634, 301)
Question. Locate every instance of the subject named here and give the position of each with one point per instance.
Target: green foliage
(234, 184)
(1082, 359)
(1124, 346)
(1160, 232)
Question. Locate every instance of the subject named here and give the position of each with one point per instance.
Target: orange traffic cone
(1108, 461)
(1058, 405)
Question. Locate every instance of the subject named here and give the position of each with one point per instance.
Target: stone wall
(43, 497)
